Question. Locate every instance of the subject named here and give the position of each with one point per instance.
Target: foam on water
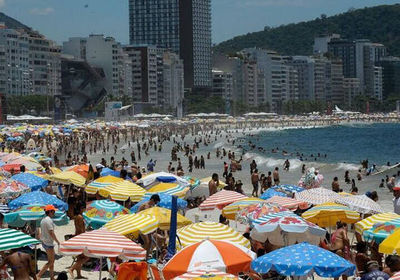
(271, 162)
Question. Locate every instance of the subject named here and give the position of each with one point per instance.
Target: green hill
(380, 24)
(13, 23)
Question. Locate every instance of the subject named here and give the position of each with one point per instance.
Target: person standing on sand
(275, 175)
(47, 236)
(254, 181)
(213, 184)
(253, 165)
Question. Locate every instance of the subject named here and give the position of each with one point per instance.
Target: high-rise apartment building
(182, 26)
(391, 76)
(346, 51)
(351, 88)
(106, 53)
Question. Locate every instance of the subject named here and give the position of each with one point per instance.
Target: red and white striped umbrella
(220, 200)
(288, 202)
(395, 276)
(102, 243)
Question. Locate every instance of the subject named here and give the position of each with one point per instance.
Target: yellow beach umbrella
(55, 170)
(163, 217)
(123, 191)
(230, 210)
(101, 183)
(199, 231)
(369, 222)
(169, 188)
(68, 177)
(133, 224)
(391, 245)
(327, 214)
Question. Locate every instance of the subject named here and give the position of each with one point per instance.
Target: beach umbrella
(303, 259)
(194, 182)
(10, 156)
(368, 223)
(178, 190)
(391, 245)
(102, 182)
(285, 228)
(230, 210)
(102, 243)
(13, 239)
(220, 200)
(40, 198)
(209, 254)
(109, 172)
(11, 167)
(68, 178)
(123, 191)
(271, 192)
(161, 177)
(32, 181)
(34, 212)
(12, 188)
(380, 231)
(165, 202)
(287, 202)
(28, 162)
(100, 212)
(133, 224)
(255, 211)
(395, 276)
(317, 196)
(81, 169)
(211, 274)
(199, 231)
(360, 203)
(4, 209)
(327, 214)
(288, 189)
(163, 216)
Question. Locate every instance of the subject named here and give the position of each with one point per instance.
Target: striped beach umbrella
(360, 203)
(211, 274)
(123, 191)
(12, 239)
(101, 183)
(230, 210)
(255, 211)
(220, 200)
(68, 178)
(178, 190)
(4, 209)
(102, 243)
(163, 216)
(100, 212)
(327, 214)
(380, 231)
(35, 213)
(285, 228)
(287, 202)
(368, 223)
(395, 276)
(317, 196)
(133, 224)
(199, 231)
(152, 179)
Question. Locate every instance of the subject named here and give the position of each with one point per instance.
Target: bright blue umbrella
(31, 180)
(303, 259)
(166, 202)
(107, 171)
(270, 193)
(289, 188)
(38, 197)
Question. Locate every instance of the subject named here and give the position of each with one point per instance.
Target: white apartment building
(222, 84)
(105, 53)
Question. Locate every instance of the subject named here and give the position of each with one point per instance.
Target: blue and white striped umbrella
(32, 181)
(303, 259)
(166, 202)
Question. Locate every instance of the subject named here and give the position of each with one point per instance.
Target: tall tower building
(183, 26)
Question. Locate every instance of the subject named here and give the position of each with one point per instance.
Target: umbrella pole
(101, 267)
(36, 235)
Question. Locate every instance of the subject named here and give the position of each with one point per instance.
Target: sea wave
(347, 166)
(272, 162)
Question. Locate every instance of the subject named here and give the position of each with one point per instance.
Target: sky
(61, 19)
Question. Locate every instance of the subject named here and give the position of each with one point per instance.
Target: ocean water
(344, 145)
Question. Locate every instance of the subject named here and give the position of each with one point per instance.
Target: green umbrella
(12, 239)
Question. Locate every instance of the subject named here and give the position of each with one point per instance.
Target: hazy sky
(60, 19)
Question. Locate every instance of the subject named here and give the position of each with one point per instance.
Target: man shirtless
(275, 175)
(154, 199)
(213, 184)
(21, 265)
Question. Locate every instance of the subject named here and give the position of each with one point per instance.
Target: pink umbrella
(220, 200)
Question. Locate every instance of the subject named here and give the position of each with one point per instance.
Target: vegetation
(29, 104)
(380, 24)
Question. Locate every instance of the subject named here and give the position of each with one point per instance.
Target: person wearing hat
(396, 200)
(47, 236)
(373, 272)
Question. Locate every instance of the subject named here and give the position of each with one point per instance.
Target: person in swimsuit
(21, 265)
